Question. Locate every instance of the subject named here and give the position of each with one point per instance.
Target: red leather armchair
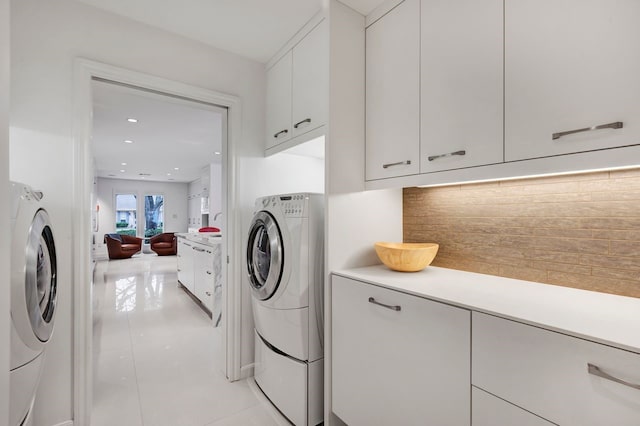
(164, 244)
(122, 246)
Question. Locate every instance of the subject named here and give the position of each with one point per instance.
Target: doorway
(86, 73)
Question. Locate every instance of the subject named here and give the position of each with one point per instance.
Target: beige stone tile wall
(579, 231)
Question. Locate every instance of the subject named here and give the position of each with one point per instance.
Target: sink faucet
(216, 216)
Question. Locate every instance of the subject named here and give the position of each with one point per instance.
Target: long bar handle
(299, 123)
(399, 163)
(615, 125)
(392, 307)
(450, 154)
(201, 250)
(596, 371)
(281, 132)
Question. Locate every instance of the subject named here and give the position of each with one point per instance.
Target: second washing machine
(285, 264)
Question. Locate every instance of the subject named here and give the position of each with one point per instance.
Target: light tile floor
(154, 354)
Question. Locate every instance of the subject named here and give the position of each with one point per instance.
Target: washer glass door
(265, 255)
(41, 276)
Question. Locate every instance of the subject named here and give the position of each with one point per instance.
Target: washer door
(265, 255)
(41, 276)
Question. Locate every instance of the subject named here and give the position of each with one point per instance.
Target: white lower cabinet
(398, 359)
(203, 275)
(564, 379)
(198, 269)
(185, 263)
(488, 410)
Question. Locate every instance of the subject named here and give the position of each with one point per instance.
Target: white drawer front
(546, 373)
(403, 366)
(488, 410)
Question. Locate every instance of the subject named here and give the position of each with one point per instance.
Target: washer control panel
(293, 205)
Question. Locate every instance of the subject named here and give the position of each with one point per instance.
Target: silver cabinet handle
(299, 123)
(615, 125)
(392, 307)
(281, 132)
(179, 270)
(208, 272)
(186, 244)
(596, 371)
(399, 163)
(451, 154)
(198, 249)
(208, 293)
(209, 251)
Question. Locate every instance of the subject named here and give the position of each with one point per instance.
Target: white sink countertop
(603, 318)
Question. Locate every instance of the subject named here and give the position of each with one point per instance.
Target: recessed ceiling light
(128, 141)
(141, 177)
(123, 164)
(217, 153)
(168, 174)
(132, 120)
(176, 168)
(121, 171)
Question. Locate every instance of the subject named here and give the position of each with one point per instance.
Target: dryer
(285, 265)
(33, 297)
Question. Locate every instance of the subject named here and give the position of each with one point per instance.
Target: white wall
(4, 211)
(46, 37)
(215, 194)
(175, 204)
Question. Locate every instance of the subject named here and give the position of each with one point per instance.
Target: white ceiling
(256, 29)
(169, 133)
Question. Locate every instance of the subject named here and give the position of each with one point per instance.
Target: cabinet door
(570, 65)
(310, 81)
(398, 359)
(549, 373)
(279, 102)
(185, 264)
(488, 410)
(392, 93)
(461, 84)
(205, 274)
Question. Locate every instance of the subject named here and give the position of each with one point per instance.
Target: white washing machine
(33, 297)
(285, 262)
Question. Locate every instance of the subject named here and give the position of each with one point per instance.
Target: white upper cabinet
(392, 95)
(461, 84)
(571, 66)
(310, 81)
(297, 91)
(279, 101)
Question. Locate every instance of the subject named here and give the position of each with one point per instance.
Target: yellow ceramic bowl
(406, 257)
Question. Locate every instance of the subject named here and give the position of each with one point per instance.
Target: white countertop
(604, 318)
(208, 238)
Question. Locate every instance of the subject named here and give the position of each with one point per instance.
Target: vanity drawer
(547, 373)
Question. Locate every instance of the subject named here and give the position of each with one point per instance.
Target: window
(153, 215)
(126, 218)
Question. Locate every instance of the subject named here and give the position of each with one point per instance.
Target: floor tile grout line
(133, 358)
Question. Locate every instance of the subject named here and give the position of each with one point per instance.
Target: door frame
(84, 71)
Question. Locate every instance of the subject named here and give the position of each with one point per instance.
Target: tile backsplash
(579, 231)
